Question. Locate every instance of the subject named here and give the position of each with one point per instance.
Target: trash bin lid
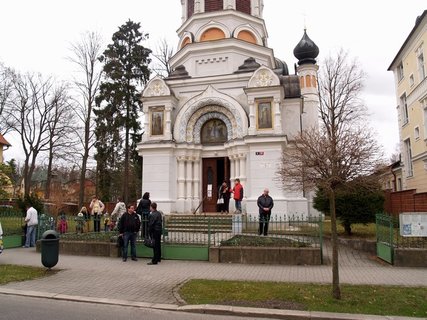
(50, 234)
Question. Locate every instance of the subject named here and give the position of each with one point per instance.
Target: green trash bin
(50, 248)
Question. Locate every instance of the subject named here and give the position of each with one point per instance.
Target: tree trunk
(347, 228)
(84, 160)
(336, 291)
(49, 174)
(126, 174)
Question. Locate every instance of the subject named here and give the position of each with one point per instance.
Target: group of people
(265, 203)
(129, 224)
(224, 195)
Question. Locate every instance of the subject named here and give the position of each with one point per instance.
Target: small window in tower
(247, 36)
(214, 5)
(186, 41)
(308, 80)
(243, 6)
(190, 8)
(313, 80)
(301, 82)
(212, 34)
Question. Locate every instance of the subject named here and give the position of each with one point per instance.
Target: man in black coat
(265, 204)
(129, 225)
(155, 225)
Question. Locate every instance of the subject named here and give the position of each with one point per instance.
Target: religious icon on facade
(157, 122)
(214, 131)
(264, 113)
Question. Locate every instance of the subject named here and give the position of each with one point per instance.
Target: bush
(355, 203)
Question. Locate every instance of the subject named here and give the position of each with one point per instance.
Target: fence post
(209, 232)
(321, 238)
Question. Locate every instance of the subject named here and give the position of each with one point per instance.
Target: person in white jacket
(118, 211)
(32, 221)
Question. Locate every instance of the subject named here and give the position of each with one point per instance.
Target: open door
(215, 171)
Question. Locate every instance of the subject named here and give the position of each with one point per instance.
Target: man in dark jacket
(155, 230)
(129, 225)
(265, 204)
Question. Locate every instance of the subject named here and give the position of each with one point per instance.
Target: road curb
(207, 309)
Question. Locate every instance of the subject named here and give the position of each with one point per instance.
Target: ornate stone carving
(264, 77)
(156, 88)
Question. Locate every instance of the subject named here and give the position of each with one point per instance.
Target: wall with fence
(405, 201)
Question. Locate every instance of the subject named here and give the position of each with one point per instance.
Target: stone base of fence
(79, 248)
(405, 257)
(368, 246)
(265, 255)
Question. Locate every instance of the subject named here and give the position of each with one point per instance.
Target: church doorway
(215, 171)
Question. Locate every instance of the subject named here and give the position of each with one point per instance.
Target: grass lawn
(359, 230)
(12, 273)
(378, 300)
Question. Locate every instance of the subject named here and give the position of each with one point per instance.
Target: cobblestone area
(111, 278)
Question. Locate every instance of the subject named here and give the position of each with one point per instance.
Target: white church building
(227, 111)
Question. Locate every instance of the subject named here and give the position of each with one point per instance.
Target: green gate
(384, 231)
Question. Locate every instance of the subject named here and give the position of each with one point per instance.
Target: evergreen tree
(118, 104)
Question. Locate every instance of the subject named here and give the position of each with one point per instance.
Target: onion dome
(306, 50)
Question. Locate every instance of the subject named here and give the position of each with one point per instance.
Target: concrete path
(111, 278)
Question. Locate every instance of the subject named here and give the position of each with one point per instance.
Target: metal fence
(12, 221)
(217, 230)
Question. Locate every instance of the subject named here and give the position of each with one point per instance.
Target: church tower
(226, 112)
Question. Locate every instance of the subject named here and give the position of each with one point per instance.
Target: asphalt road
(23, 308)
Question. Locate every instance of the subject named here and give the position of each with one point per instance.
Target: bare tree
(341, 150)
(31, 104)
(85, 56)
(61, 131)
(5, 94)
(164, 52)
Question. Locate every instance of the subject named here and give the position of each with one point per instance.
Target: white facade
(226, 112)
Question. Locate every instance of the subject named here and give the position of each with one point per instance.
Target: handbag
(220, 201)
(148, 242)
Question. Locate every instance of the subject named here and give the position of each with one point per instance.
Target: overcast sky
(36, 35)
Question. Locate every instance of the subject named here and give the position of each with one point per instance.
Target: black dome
(306, 50)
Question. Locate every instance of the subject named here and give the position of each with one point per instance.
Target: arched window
(314, 81)
(301, 82)
(247, 36)
(308, 80)
(214, 131)
(186, 41)
(212, 34)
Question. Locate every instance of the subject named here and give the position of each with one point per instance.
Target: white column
(237, 167)
(189, 184)
(196, 182)
(199, 6)
(252, 118)
(184, 10)
(232, 169)
(277, 117)
(168, 122)
(181, 185)
(242, 161)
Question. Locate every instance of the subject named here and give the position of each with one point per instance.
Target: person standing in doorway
(32, 221)
(265, 204)
(155, 225)
(129, 225)
(224, 193)
(238, 195)
(143, 209)
(97, 207)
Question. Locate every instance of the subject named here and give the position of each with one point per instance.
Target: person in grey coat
(155, 225)
(265, 204)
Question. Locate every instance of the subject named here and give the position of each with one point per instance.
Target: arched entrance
(215, 170)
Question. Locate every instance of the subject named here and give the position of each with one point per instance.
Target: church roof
(306, 50)
(3, 141)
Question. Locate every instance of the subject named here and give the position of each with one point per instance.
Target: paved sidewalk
(111, 278)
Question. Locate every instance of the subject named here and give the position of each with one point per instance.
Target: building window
(399, 184)
(243, 6)
(421, 66)
(411, 80)
(190, 8)
(400, 74)
(247, 36)
(408, 158)
(404, 106)
(214, 5)
(424, 106)
(417, 133)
